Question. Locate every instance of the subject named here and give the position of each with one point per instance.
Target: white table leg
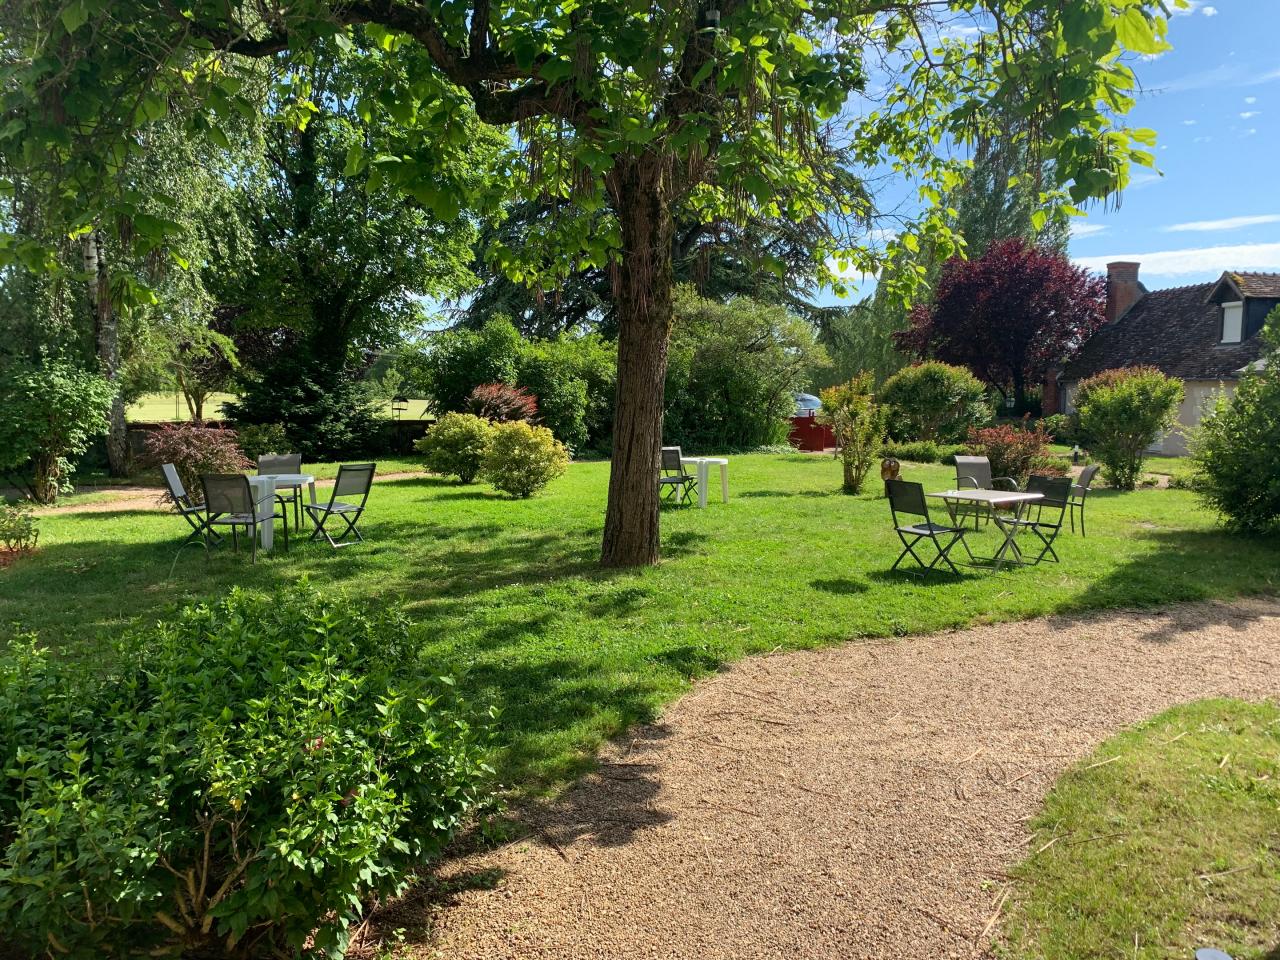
(724, 483)
(704, 472)
(266, 495)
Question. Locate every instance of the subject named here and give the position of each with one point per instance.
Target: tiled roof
(1176, 330)
(1257, 284)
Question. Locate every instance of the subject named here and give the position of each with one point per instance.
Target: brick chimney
(1123, 288)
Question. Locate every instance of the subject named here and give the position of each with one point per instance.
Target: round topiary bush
(239, 783)
(934, 402)
(522, 459)
(456, 445)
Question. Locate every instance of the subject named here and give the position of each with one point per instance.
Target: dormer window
(1232, 321)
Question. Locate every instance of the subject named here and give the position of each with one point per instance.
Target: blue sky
(1214, 101)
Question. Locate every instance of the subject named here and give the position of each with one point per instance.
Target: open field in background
(1165, 842)
(507, 593)
(163, 407)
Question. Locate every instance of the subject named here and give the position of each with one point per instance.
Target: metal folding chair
(190, 511)
(1079, 493)
(974, 473)
(278, 463)
(354, 481)
(229, 502)
(907, 498)
(673, 482)
(1056, 500)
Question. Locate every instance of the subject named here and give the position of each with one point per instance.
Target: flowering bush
(523, 459)
(502, 403)
(456, 445)
(243, 781)
(1015, 451)
(195, 451)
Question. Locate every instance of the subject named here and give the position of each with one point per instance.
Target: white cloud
(1250, 99)
(1195, 260)
(1251, 131)
(1209, 11)
(1202, 139)
(1195, 6)
(1225, 75)
(1246, 114)
(1188, 123)
(1087, 229)
(1227, 223)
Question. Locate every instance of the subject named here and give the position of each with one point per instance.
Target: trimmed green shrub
(1122, 413)
(1015, 451)
(922, 451)
(48, 415)
(19, 529)
(195, 450)
(1236, 449)
(522, 459)
(935, 402)
(258, 438)
(1062, 427)
(240, 784)
(456, 445)
(858, 423)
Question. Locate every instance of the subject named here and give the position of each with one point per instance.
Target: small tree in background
(49, 414)
(935, 402)
(1237, 446)
(1122, 413)
(194, 451)
(858, 423)
(502, 403)
(1008, 316)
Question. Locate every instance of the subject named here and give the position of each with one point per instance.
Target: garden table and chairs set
(677, 484)
(1041, 510)
(253, 503)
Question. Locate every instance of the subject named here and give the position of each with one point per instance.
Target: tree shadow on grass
(841, 586)
(1186, 566)
(809, 494)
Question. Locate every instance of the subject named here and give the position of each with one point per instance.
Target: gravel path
(860, 801)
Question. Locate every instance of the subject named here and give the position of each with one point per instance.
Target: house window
(1232, 322)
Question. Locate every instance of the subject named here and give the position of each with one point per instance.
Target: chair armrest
(1012, 484)
(964, 483)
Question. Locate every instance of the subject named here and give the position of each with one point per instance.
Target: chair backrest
(1081, 485)
(227, 493)
(906, 497)
(671, 464)
(977, 469)
(354, 480)
(1056, 490)
(177, 492)
(277, 463)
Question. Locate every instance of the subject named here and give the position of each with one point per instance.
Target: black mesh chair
(229, 502)
(673, 482)
(189, 510)
(974, 473)
(278, 463)
(1079, 493)
(1051, 512)
(354, 481)
(907, 499)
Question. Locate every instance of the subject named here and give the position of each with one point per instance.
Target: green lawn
(1168, 839)
(508, 595)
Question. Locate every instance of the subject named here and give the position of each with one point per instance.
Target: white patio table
(264, 495)
(704, 470)
(992, 500)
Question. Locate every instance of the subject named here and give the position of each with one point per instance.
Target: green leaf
(74, 15)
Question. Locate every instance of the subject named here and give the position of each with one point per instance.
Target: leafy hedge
(240, 785)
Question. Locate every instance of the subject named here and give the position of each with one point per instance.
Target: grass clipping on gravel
(1166, 840)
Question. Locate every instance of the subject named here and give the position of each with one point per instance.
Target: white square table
(264, 487)
(993, 499)
(704, 470)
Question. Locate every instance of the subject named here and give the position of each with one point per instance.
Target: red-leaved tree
(1008, 316)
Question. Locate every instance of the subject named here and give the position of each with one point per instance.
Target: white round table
(704, 469)
(264, 487)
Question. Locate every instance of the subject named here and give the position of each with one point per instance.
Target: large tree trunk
(106, 333)
(641, 197)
